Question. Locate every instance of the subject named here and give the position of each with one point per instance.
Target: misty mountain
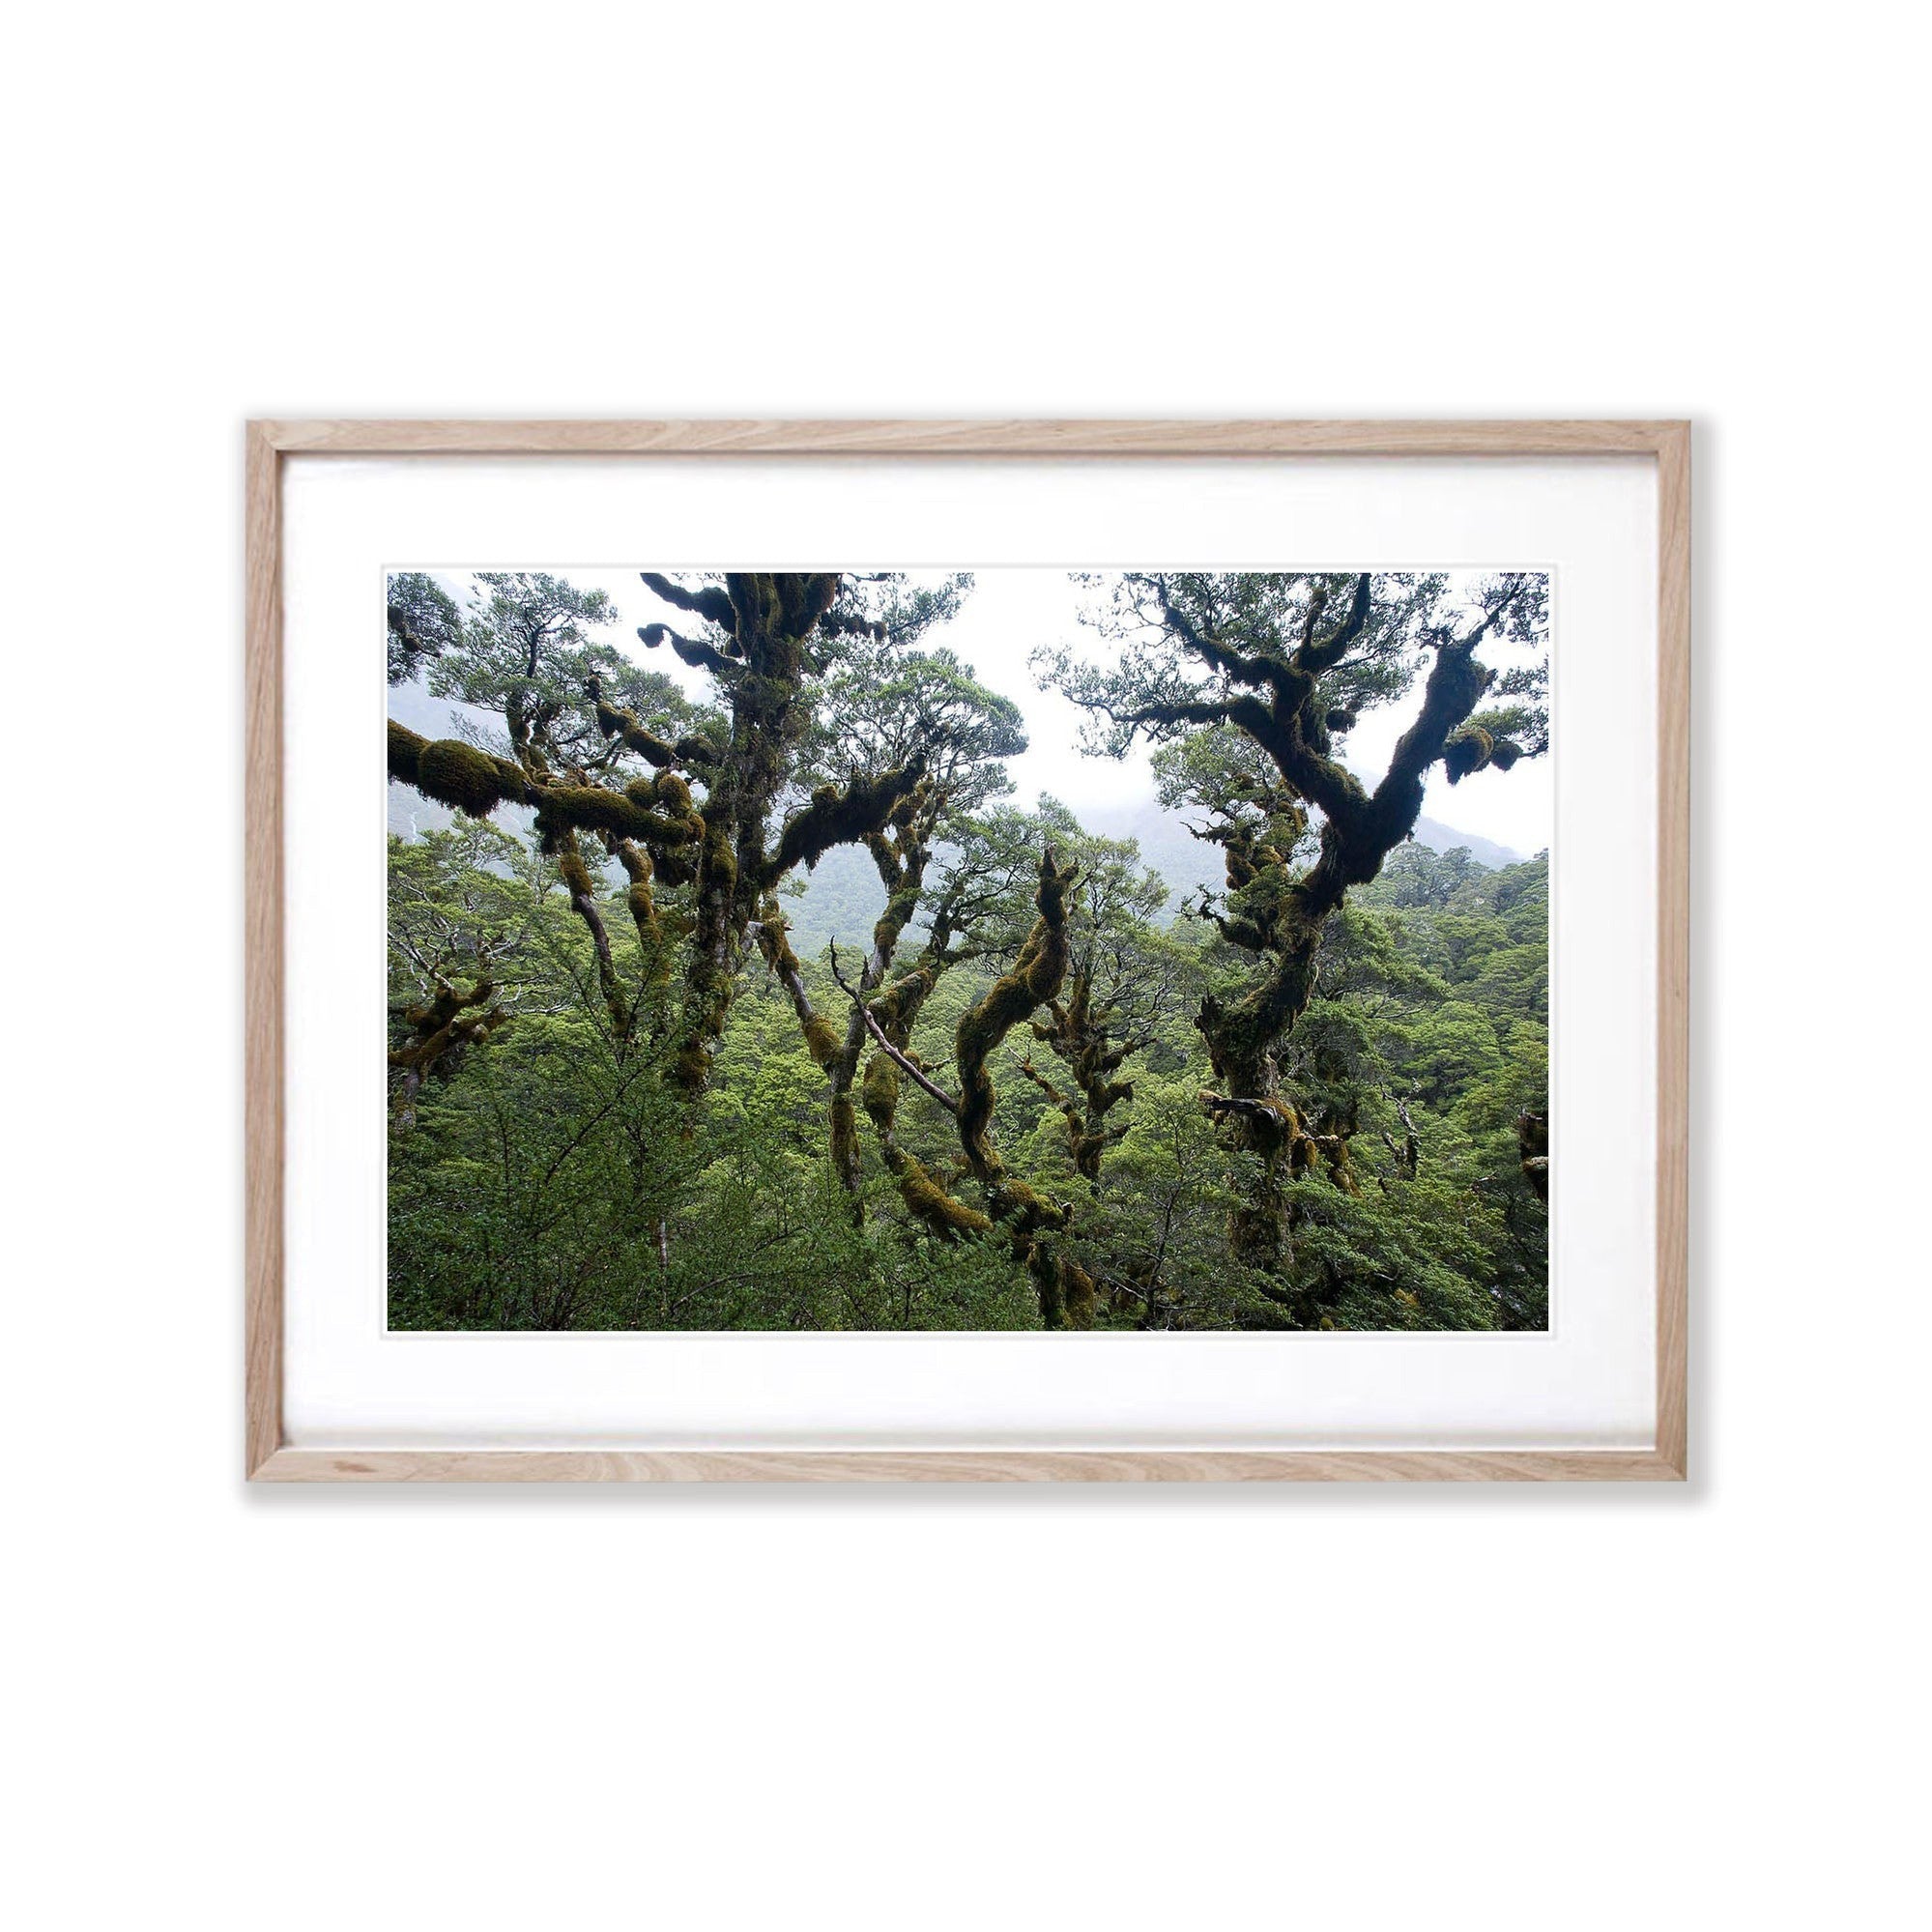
(1185, 862)
(1486, 852)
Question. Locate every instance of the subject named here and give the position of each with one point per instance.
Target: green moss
(720, 862)
(822, 1040)
(843, 1135)
(677, 865)
(930, 1204)
(708, 1006)
(1045, 1267)
(1468, 751)
(893, 1007)
(615, 722)
(1027, 1209)
(405, 749)
(1047, 967)
(880, 1091)
(899, 911)
(1334, 1149)
(639, 869)
(465, 779)
(616, 815)
(907, 810)
(1078, 1292)
(445, 1023)
(1241, 1038)
(755, 597)
(1034, 980)
(692, 1066)
(835, 818)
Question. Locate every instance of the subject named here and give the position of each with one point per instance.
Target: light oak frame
(270, 1458)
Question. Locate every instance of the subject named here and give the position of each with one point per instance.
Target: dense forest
(639, 1079)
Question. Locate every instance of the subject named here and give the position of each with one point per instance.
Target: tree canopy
(623, 1094)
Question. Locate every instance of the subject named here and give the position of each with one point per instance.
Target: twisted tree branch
(904, 1065)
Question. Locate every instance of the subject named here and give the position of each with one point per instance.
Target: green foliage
(560, 1167)
(884, 706)
(423, 622)
(551, 1182)
(1159, 681)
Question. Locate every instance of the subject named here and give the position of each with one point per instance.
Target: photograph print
(1136, 950)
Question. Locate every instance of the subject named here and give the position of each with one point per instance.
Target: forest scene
(1018, 949)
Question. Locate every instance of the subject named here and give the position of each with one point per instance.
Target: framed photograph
(968, 951)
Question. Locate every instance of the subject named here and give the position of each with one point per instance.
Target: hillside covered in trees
(1031, 1082)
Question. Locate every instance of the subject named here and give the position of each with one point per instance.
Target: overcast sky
(1009, 612)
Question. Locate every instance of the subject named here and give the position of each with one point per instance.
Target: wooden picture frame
(269, 1457)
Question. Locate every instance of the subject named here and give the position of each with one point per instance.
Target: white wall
(1343, 1708)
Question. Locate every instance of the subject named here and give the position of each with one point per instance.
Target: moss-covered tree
(1125, 977)
(883, 708)
(624, 1100)
(1255, 680)
(694, 796)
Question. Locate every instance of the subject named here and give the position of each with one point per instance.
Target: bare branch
(892, 1052)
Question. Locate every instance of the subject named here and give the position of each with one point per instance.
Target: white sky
(1009, 612)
